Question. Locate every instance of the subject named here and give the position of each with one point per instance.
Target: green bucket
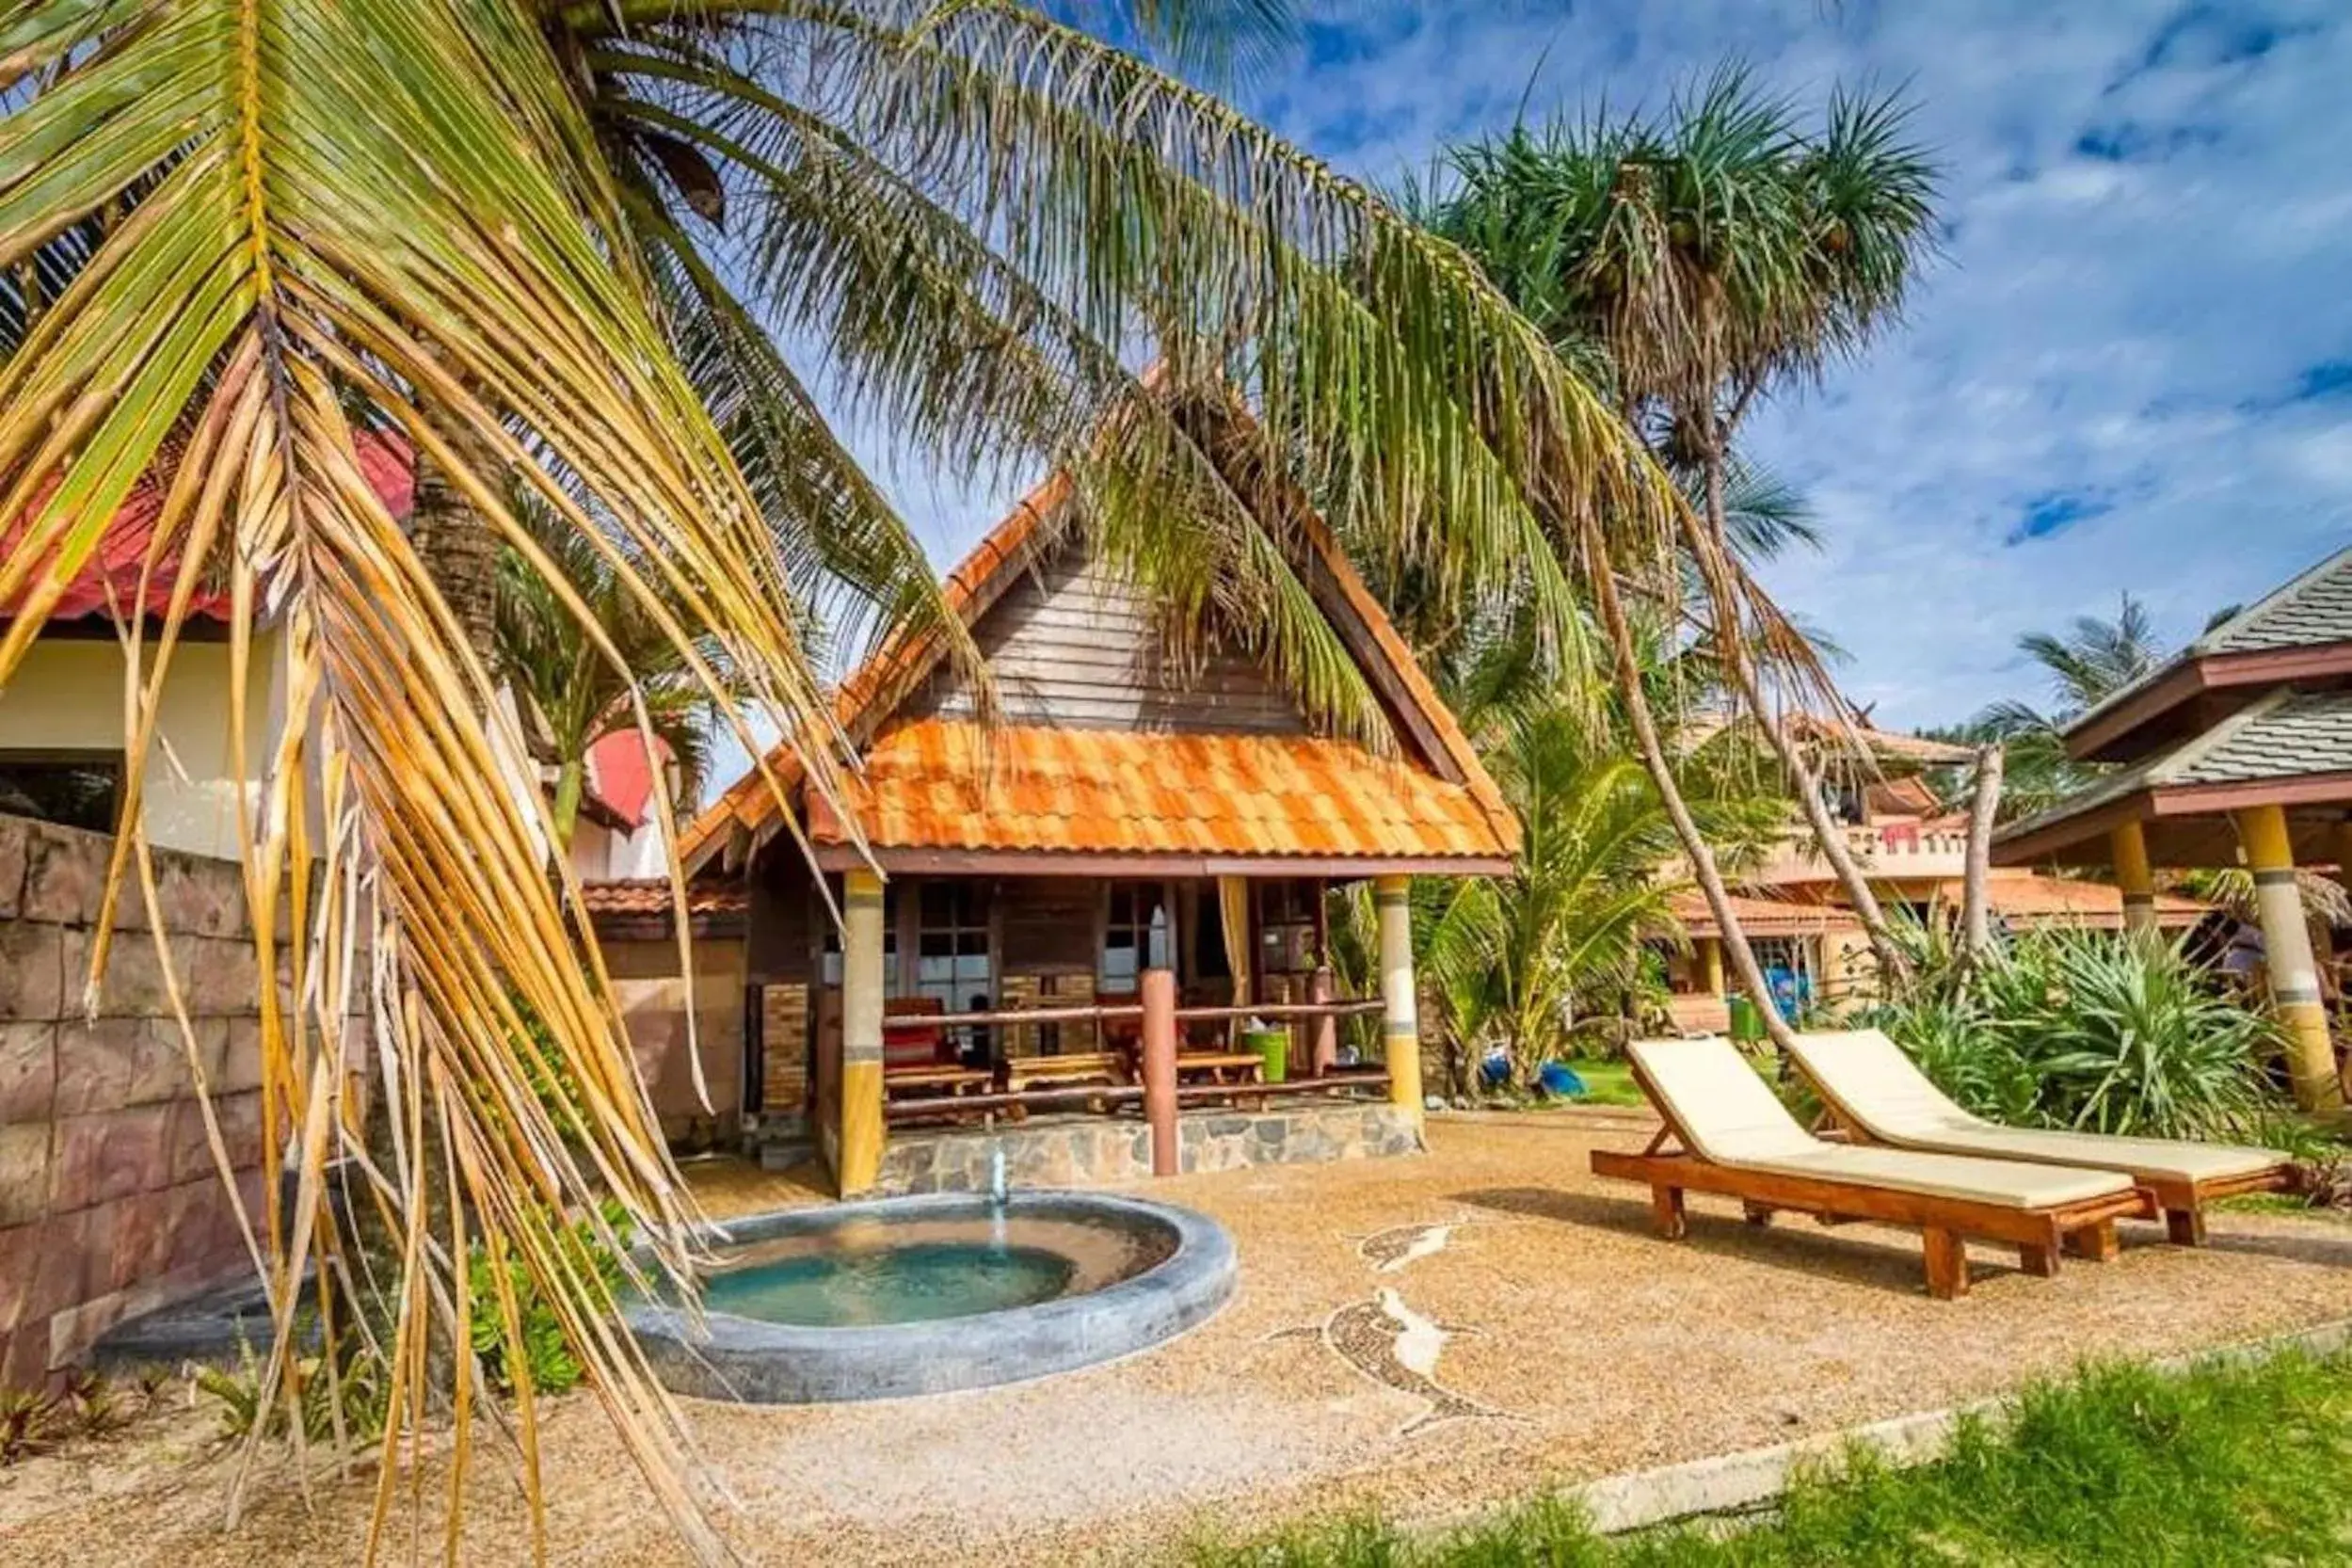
(1746, 1022)
(1272, 1047)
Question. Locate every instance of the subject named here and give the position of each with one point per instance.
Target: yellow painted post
(2287, 954)
(860, 1163)
(1711, 954)
(1401, 1027)
(2127, 844)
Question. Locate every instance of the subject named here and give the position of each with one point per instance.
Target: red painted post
(1160, 1068)
(1323, 1054)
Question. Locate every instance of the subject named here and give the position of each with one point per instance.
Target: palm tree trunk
(1629, 665)
(459, 552)
(1975, 906)
(571, 778)
(1893, 967)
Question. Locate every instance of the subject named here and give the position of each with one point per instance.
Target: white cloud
(2150, 210)
(2128, 330)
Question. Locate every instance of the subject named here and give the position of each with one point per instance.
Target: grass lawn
(2120, 1465)
(1607, 1083)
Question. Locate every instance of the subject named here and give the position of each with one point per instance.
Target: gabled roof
(2315, 607)
(2290, 747)
(2301, 630)
(1297, 795)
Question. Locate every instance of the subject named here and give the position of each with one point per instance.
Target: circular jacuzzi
(926, 1295)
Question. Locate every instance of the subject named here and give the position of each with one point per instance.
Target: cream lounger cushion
(1731, 1118)
(1871, 1079)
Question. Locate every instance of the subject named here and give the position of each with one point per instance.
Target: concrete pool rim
(751, 1362)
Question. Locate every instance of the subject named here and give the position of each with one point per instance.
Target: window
(951, 964)
(1286, 927)
(1138, 933)
(72, 790)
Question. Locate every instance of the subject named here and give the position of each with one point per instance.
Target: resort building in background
(1890, 801)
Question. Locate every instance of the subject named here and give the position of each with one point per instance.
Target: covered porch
(943, 1006)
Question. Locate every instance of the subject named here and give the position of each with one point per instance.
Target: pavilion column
(1400, 1028)
(861, 1163)
(2127, 846)
(1711, 956)
(2287, 954)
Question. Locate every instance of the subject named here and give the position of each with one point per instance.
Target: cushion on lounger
(1732, 1118)
(1876, 1082)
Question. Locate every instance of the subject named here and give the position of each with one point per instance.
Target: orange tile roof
(2026, 896)
(1760, 917)
(947, 784)
(867, 699)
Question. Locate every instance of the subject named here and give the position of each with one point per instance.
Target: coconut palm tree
(551, 248)
(1703, 262)
(2084, 665)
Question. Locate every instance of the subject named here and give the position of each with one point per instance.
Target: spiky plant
(553, 246)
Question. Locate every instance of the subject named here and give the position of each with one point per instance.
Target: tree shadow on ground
(2331, 1251)
(1884, 1256)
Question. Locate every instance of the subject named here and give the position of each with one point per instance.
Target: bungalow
(1136, 824)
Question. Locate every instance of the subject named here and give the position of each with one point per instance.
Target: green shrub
(546, 1354)
(355, 1380)
(2078, 1029)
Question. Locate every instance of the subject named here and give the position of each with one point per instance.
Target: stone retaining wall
(110, 1203)
(1101, 1151)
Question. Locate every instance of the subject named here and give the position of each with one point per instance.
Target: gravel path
(1353, 1371)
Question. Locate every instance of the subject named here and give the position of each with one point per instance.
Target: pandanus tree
(1703, 262)
(596, 253)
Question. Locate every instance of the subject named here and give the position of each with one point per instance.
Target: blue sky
(2131, 369)
(2132, 366)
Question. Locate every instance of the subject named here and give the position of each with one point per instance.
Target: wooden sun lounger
(1737, 1140)
(1877, 1094)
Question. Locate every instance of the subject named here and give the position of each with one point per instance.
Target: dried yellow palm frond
(446, 260)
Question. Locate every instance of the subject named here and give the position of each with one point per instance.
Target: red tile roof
(1760, 917)
(2029, 898)
(108, 581)
(650, 898)
(950, 785)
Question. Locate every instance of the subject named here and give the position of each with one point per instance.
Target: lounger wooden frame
(2084, 1228)
(2180, 1202)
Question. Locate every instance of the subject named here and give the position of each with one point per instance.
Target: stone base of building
(1096, 1152)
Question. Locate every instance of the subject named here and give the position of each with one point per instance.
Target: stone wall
(110, 1203)
(1104, 1151)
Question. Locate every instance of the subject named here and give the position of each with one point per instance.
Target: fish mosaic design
(1398, 1348)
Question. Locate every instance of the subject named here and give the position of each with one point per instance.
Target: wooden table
(1220, 1066)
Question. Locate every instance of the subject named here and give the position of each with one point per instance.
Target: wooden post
(1400, 1028)
(2127, 846)
(1323, 1050)
(861, 1163)
(1711, 956)
(2287, 956)
(1160, 1068)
